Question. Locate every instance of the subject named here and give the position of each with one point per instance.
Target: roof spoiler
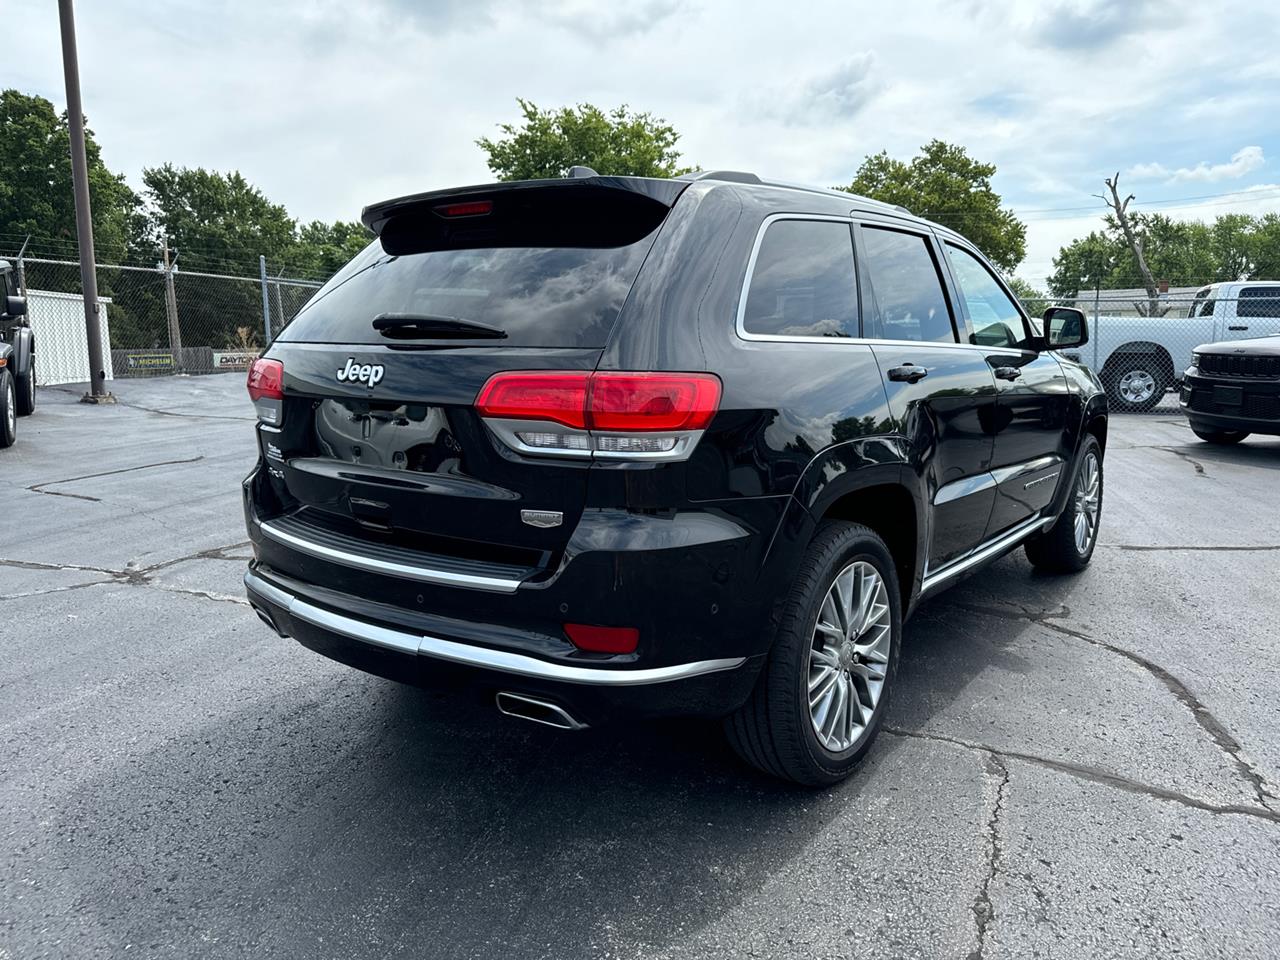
(583, 186)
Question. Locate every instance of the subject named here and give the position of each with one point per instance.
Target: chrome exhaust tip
(538, 711)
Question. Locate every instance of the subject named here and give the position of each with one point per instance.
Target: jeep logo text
(367, 373)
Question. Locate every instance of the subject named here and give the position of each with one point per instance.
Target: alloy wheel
(10, 407)
(1088, 502)
(849, 656)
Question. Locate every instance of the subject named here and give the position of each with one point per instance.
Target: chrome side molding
(983, 552)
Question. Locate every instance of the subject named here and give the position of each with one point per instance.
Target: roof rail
(730, 176)
(581, 172)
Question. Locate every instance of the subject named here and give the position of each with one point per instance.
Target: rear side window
(538, 296)
(1259, 302)
(803, 283)
(907, 289)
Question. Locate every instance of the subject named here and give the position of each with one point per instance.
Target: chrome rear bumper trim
(463, 653)
(373, 565)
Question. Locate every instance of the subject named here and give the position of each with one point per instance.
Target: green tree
(217, 221)
(324, 247)
(546, 143)
(1086, 264)
(1033, 300)
(946, 185)
(1264, 248)
(35, 184)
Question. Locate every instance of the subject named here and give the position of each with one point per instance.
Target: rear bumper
(592, 694)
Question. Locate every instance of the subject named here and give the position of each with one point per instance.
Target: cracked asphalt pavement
(1073, 767)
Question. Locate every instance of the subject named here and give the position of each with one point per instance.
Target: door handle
(908, 373)
(1007, 373)
(1238, 327)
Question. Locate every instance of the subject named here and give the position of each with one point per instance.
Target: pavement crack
(39, 487)
(1095, 775)
(1202, 715)
(1185, 456)
(132, 575)
(983, 911)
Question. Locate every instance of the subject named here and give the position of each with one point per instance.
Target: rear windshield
(538, 296)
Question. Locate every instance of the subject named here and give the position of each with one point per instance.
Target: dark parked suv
(609, 446)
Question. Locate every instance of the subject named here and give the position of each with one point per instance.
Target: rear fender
(837, 472)
(22, 343)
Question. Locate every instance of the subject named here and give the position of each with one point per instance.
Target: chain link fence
(156, 321)
(1140, 349)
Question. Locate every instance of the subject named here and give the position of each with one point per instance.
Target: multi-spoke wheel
(849, 656)
(1068, 545)
(824, 688)
(1088, 501)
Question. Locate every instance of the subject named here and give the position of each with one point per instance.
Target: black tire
(8, 410)
(1120, 369)
(26, 390)
(1224, 437)
(773, 730)
(1057, 550)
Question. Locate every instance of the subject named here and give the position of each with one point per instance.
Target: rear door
(379, 439)
(1256, 313)
(1029, 455)
(941, 394)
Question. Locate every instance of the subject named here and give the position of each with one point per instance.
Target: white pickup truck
(1140, 358)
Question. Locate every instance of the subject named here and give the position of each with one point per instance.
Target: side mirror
(1064, 328)
(15, 306)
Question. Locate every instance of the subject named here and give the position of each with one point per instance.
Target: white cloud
(1243, 161)
(328, 106)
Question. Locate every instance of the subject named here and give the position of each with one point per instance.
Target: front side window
(803, 283)
(1199, 303)
(910, 304)
(1259, 302)
(997, 321)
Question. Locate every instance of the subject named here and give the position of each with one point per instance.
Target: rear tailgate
(379, 451)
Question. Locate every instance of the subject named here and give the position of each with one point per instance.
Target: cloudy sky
(327, 106)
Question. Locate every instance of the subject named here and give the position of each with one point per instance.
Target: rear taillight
(266, 389)
(607, 414)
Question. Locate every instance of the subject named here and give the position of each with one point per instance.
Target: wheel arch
(1142, 348)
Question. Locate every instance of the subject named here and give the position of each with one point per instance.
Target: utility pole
(171, 309)
(266, 300)
(84, 217)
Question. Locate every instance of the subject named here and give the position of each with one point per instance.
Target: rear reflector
(603, 639)
(471, 208)
(266, 380)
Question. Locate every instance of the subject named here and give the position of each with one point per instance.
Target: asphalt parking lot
(1075, 767)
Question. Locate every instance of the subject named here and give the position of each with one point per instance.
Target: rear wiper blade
(428, 326)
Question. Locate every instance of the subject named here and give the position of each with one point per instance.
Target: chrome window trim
(486, 658)
(356, 561)
(741, 325)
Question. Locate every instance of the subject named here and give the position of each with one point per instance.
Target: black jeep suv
(608, 446)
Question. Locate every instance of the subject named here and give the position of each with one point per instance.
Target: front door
(1029, 458)
(942, 394)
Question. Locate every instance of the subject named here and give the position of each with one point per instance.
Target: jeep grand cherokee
(610, 446)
